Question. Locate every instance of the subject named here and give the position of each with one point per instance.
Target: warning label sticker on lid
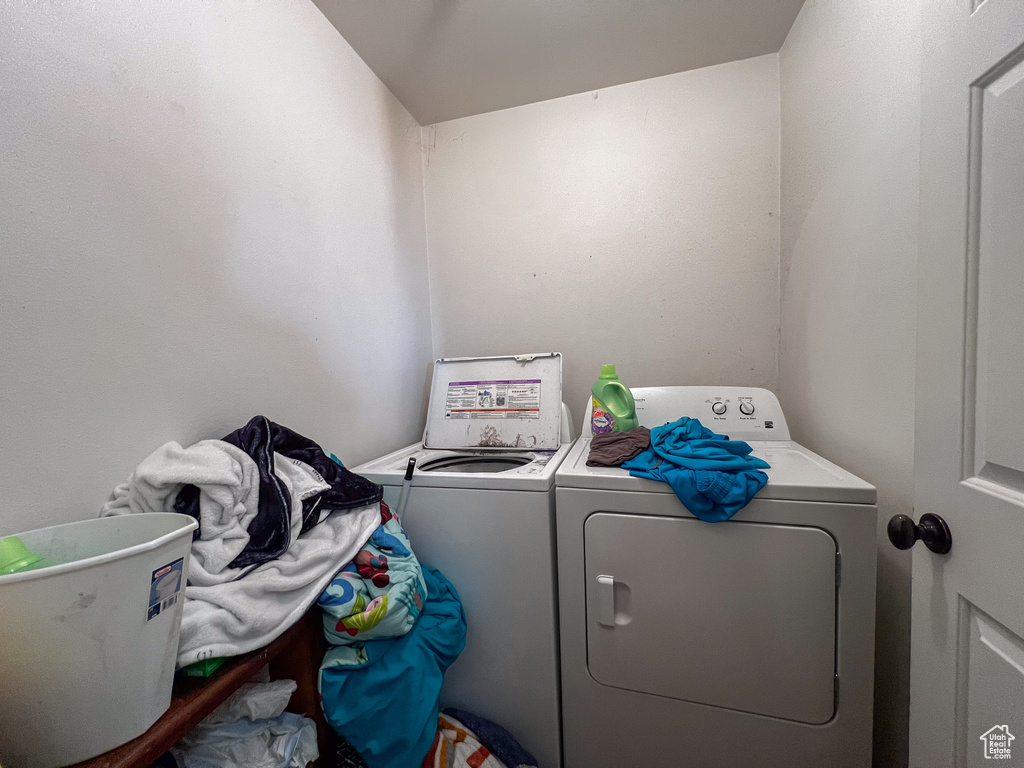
(507, 399)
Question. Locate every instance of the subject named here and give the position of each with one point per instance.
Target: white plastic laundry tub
(87, 647)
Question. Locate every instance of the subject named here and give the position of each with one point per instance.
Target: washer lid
(796, 474)
(495, 403)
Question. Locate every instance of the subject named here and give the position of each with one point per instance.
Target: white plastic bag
(251, 729)
(255, 701)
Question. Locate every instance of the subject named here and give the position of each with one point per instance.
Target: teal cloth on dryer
(379, 593)
(713, 476)
(382, 696)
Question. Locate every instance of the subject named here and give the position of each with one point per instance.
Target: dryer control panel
(742, 413)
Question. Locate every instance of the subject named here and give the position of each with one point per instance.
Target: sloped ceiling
(445, 59)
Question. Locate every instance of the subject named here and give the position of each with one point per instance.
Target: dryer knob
(718, 408)
(746, 407)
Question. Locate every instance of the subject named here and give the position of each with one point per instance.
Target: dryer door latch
(606, 601)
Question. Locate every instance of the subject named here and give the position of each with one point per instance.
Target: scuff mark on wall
(428, 142)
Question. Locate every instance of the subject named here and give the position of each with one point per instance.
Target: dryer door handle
(606, 601)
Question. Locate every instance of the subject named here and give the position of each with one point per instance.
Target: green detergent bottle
(614, 409)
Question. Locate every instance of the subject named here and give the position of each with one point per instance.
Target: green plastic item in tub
(15, 557)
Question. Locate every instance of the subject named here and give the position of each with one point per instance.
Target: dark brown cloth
(612, 448)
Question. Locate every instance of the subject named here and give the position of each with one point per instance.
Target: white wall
(207, 211)
(635, 225)
(850, 134)
(213, 210)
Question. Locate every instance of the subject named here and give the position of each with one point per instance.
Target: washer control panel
(742, 413)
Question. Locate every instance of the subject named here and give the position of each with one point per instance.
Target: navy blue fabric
(187, 503)
(270, 531)
(713, 476)
(387, 707)
(500, 742)
(261, 438)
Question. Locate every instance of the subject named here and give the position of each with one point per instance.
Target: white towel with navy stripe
(277, 519)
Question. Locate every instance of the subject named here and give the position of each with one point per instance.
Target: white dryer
(742, 644)
(481, 509)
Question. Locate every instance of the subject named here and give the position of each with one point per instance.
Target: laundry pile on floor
(457, 746)
(395, 625)
(465, 740)
(713, 476)
(277, 519)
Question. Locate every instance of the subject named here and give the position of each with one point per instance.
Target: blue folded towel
(713, 476)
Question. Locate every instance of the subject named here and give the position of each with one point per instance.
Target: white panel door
(967, 665)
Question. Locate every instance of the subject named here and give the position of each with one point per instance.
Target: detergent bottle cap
(15, 556)
(608, 372)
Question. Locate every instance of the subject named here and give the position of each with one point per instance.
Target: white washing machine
(742, 644)
(481, 509)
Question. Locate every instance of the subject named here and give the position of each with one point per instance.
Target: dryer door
(736, 615)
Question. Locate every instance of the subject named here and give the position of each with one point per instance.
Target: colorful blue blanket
(379, 594)
(382, 696)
